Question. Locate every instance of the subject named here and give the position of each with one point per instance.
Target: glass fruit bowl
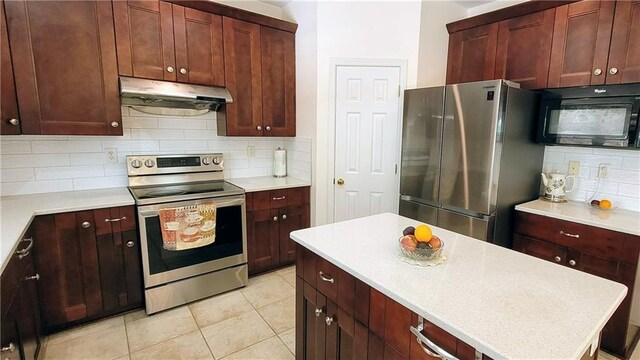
(420, 254)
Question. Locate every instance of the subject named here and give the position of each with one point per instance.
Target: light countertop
(621, 220)
(18, 211)
(506, 304)
(262, 183)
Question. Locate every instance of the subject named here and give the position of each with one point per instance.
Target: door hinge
(334, 181)
(398, 90)
(396, 168)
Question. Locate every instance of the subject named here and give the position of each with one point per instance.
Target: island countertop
(506, 304)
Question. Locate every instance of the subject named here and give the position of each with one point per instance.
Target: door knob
(340, 181)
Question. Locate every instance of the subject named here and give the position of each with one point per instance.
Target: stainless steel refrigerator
(469, 156)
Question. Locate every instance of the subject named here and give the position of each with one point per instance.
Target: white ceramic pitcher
(555, 186)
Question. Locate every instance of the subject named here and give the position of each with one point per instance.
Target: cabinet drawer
(541, 249)
(279, 198)
(12, 275)
(276, 199)
(298, 196)
(535, 226)
(327, 279)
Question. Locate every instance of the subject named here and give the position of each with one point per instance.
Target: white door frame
(331, 126)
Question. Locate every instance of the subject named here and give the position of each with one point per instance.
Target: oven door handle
(152, 210)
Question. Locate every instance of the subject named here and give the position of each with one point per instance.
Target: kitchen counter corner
(263, 183)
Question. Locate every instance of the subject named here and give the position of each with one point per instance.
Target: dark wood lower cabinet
(358, 322)
(89, 265)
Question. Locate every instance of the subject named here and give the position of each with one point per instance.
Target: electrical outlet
(251, 151)
(603, 171)
(111, 156)
(574, 167)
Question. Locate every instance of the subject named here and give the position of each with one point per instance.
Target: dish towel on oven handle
(188, 227)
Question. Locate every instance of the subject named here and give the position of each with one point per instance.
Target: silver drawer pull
(275, 218)
(279, 198)
(557, 258)
(328, 279)
(318, 312)
(34, 277)
(569, 235)
(328, 320)
(429, 346)
(130, 244)
(11, 348)
(284, 217)
(86, 224)
(572, 262)
(24, 252)
(115, 220)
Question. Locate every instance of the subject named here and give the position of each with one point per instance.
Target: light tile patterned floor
(256, 322)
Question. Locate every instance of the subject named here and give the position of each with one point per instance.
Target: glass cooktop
(179, 192)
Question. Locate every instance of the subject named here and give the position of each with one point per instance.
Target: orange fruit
(423, 233)
(605, 204)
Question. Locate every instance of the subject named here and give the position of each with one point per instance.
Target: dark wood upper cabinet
(9, 119)
(580, 47)
(278, 82)
(144, 36)
(624, 56)
(243, 78)
(472, 54)
(524, 49)
(64, 63)
(198, 40)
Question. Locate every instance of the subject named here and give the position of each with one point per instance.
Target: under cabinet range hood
(144, 92)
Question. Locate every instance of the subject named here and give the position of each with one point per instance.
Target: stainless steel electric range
(173, 278)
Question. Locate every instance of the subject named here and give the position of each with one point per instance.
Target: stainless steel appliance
(468, 156)
(172, 278)
(591, 116)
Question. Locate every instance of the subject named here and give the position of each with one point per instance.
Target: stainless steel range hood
(143, 92)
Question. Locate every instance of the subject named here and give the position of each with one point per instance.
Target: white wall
(36, 164)
(434, 40)
(623, 184)
(254, 6)
(492, 6)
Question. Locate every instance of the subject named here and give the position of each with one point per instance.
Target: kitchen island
(484, 300)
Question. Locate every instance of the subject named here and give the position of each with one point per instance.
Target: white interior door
(366, 147)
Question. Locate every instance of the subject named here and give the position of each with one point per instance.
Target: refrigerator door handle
(419, 200)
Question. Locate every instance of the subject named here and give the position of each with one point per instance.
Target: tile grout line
(200, 330)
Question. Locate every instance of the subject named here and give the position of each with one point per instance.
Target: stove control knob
(149, 163)
(206, 161)
(136, 164)
(217, 160)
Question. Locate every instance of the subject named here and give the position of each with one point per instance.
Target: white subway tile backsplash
(622, 186)
(15, 147)
(65, 147)
(69, 172)
(35, 164)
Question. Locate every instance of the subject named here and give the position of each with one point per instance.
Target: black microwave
(590, 116)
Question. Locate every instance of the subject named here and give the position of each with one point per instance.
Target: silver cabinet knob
(130, 244)
(259, 128)
(284, 217)
(613, 71)
(183, 71)
(275, 218)
(34, 277)
(10, 348)
(268, 128)
(14, 122)
(318, 312)
(170, 69)
(136, 164)
(86, 224)
(328, 320)
(149, 163)
(572, 262)
(557, 259)
(597, 72)
(114, 124)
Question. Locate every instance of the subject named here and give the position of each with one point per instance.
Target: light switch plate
(574, 167)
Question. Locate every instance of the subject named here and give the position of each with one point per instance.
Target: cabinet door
(540, 249)
(28, 314)
(580, 46)
(9, 120)
(144, 36)
(262, 240)
(524, 49)
(198, 39)
(242, 74)
(9, 335)
(292, 218)
(278, 82)
(64, 62)
(312, 334)
(472, 54)
(624, 54)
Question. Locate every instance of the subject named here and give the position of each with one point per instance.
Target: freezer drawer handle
(328, 279)
(569, 235)
(429, 346)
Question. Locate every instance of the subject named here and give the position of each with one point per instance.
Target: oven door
(607, 121)
(229, 249)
